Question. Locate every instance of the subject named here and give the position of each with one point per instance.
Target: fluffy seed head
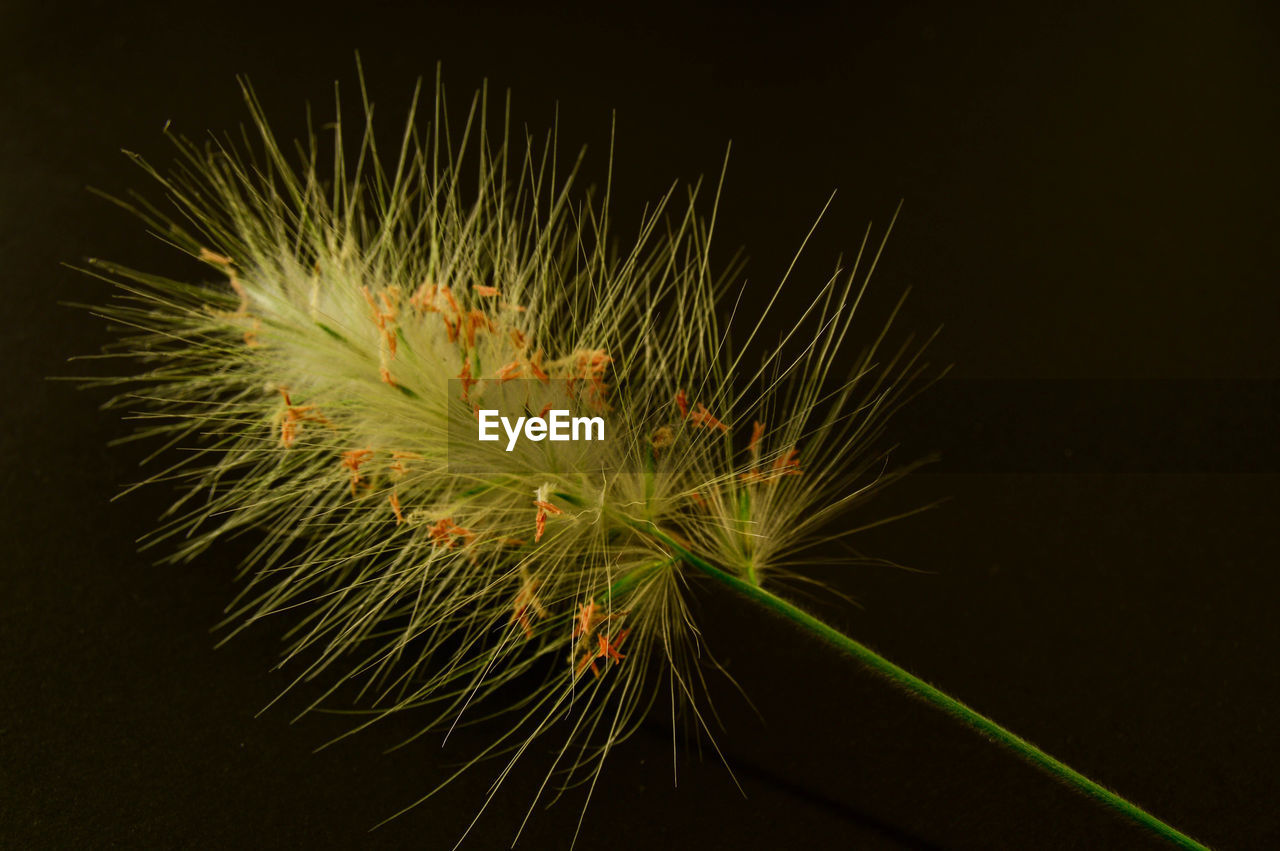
(359, 302)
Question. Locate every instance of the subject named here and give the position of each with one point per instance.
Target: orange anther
(540, 522)
(397, 465)
(586, 618)
(682, 402)
(293, 416)
(467, 381)
(535, 367)
(383, 310)
(526, 604)
(588, 659)
(251, 336)
(213, 257)
(373, 306)
(702, 418)
(352, 460)
(445, 533)
(788, 465)
(453, 303)
(609, 647)
(424, 298)
(241, 292)
(477, 320)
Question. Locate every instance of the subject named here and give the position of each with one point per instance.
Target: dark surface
(1089, 196)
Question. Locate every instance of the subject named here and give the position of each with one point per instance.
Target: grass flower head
(361, 305)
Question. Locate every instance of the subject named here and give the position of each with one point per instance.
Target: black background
(1089, 209)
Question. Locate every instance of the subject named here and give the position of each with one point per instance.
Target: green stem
(942, 700)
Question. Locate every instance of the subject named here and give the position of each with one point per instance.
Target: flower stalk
(958, 710)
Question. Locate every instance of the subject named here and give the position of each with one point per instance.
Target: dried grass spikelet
(309, 378)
